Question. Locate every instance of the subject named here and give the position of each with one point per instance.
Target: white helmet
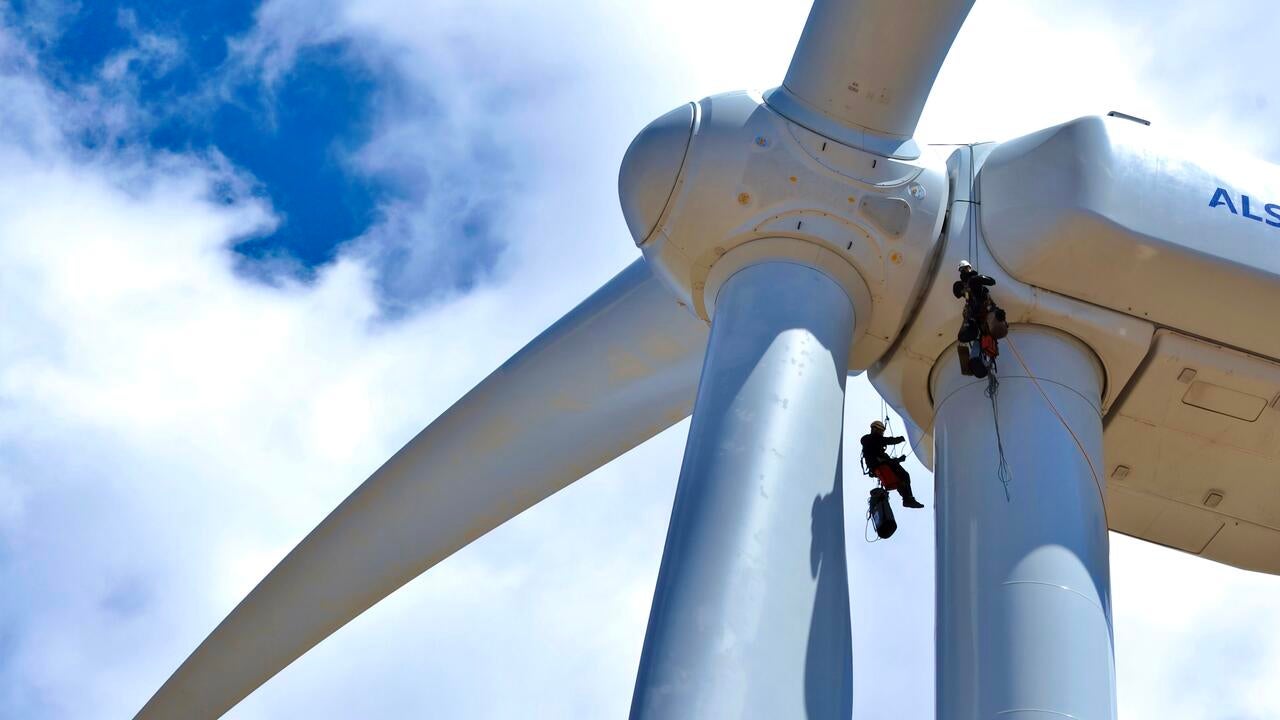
(963, 265)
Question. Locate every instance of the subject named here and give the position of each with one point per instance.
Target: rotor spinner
(714, 186)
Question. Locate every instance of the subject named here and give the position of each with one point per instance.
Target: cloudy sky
(248, 249)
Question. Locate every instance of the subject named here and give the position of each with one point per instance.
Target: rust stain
(626, 366)
(662, 348)
(744, 199)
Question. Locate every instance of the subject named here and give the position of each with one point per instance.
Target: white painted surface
(863, 69)
(1177, 451)
(1023, 585)
(750, 174)
(1120, 341)
(750, 615)
(1182, 439)
(1109, 212)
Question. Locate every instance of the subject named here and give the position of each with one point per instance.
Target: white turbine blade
(615, 371)
(868, 65)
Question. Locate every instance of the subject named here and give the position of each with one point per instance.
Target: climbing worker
(887, 470)
(972, 282)
(972, 286)
(983, 322)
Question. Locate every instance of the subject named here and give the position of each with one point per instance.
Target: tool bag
(997, 323)
(880, 513)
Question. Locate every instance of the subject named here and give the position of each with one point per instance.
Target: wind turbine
(815, 237)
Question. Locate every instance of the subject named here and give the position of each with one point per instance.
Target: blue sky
(199, 80)
(248, 249)
(291, 136)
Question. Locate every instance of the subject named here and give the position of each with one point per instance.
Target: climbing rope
(971, 216)
(1079, 445)
(1002, 470)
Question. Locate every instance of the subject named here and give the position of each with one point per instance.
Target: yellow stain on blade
(627, 366)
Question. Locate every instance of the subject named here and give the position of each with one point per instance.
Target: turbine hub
(727, 182)
(651, 167)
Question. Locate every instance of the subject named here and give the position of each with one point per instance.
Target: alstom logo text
(1247, 206)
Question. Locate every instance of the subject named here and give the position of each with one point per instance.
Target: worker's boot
(908, 497)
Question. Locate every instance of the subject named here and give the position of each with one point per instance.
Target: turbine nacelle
(714, 186)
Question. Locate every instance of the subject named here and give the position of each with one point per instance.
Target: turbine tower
(792, 238)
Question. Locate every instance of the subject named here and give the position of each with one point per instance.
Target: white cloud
(169, 430)
(151, 52)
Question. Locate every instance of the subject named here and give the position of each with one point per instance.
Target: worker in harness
(983, 322)
(887, 470)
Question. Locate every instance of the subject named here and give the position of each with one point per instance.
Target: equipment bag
(881, 514)
(998, 324)
(962, 349)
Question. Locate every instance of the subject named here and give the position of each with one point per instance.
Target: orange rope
(1092, 470)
